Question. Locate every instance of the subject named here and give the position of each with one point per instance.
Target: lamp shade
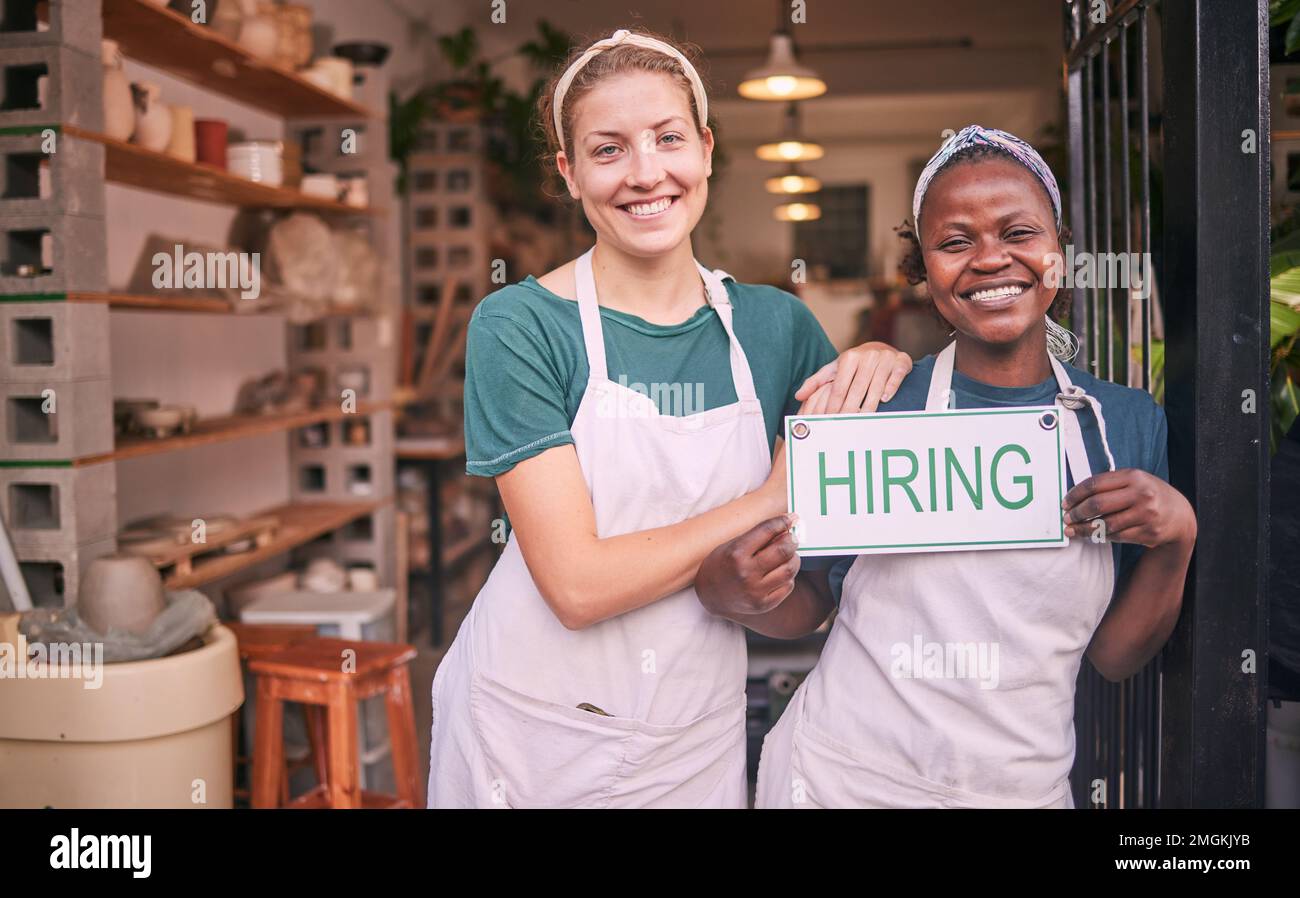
(781, 77)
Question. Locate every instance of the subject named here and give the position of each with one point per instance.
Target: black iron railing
(1109, 84)
(1174, 94)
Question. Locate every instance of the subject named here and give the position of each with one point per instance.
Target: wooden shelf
(169, 41)
(143, 302)
(135, 166)
(233, 427)
(300, 523)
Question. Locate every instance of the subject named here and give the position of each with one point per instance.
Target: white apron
(507, 729)
(860, 732)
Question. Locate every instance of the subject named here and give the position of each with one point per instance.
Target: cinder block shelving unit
(57, 464)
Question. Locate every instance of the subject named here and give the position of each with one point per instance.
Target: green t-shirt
(526, 365)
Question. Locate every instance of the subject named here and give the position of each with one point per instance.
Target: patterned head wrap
(1061, 343)
(623, 36)
(975, 135)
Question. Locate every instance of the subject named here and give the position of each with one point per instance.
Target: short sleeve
(811, 350)
(514, 396)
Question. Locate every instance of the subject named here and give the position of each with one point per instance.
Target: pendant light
(791, 147)
(793, 181)
(781, 77)
(797, 212)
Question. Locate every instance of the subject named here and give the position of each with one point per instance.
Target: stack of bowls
(257, 160)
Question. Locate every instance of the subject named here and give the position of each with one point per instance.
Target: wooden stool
(314, 673)
(258, 641)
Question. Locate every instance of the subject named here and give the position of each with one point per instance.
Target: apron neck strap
(594, 338)
(1069, 399)
(589, 312)
(939, 398)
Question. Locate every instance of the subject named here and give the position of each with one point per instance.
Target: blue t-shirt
(1135, 430)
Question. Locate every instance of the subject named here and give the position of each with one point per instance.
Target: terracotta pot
(210, 141)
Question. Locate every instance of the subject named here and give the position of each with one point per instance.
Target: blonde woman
(587, 673)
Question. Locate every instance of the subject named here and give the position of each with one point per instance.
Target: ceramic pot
(227, 19)
(119, 111)
(258, 34)
(153, 120)
(120, 592)
(324, 575)
(160, 422)
(323, 185)
(181, 144)
(340, 72)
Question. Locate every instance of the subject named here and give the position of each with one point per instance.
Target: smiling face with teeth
(640, 166)
(986, 231)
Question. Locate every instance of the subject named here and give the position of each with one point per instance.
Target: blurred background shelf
(144, 302)
(135, 166)
(230, 427)
(300, 523)
(166, 40)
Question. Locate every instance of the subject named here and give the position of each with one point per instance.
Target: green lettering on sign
(887, 480)
(1023, 479)
(849, 481)
(951, 464)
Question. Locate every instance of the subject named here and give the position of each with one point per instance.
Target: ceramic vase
(119, 112)
(153, 120)
(258, 34)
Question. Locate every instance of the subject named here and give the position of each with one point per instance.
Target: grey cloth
(189, 613)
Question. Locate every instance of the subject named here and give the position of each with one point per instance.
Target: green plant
(1284, 340)
(474, 90)
(1282, 12)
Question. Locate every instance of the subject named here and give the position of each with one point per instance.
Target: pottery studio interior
(242, 244)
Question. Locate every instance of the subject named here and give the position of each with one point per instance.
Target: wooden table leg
(268, 751)
(344, 762)
(401, 735)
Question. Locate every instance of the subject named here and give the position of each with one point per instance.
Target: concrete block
(323, 146)
(74, 420)
(53, 341)
(72, 23)
(53, 575)
(78, 254)
(370, 541)
(73, 91)
(72, 175)
(340, 475)
(59, 508)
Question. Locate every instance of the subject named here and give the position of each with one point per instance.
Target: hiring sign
(927, 481)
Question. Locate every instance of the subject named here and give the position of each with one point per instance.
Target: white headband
(623, 36)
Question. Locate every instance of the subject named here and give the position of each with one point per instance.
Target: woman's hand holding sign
(1133, 506)
(751, 574)
(754, 579)
(1129, 506)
